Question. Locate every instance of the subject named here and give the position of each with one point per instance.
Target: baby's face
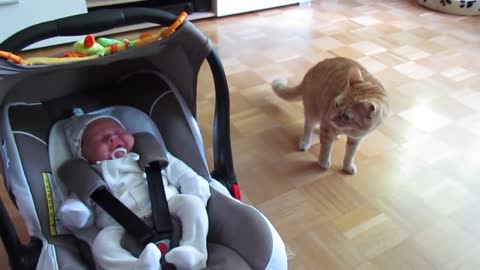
(102, 137)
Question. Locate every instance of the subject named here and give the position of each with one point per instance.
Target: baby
(104, 142)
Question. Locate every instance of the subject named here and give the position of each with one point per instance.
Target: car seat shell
(33, 98)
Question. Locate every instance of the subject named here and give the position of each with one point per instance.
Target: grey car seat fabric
(222, 213)
(230, 220)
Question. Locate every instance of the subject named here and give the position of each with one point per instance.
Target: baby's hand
(74, 214)
(195, 185)
(187, 180)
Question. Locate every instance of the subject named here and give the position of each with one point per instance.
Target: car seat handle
(88, 23)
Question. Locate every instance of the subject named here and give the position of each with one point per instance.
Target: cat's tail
(288, 93)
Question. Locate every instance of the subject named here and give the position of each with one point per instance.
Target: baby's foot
(149, 259)
(186, 258)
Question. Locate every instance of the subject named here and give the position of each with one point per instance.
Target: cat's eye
(346, 117)
(337, 104)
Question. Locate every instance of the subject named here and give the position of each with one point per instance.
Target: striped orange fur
(341, 95)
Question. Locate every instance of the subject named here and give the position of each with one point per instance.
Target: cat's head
(358, 108)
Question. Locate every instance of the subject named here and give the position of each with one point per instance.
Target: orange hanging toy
(12, 57)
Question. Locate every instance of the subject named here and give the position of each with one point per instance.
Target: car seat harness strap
(124, 216)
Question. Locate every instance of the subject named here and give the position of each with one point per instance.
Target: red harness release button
(163, 247)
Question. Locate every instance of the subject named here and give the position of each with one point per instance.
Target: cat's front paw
(325, 163)
(350, 168)
(303, 145)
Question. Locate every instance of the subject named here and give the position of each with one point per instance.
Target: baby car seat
(159, 80)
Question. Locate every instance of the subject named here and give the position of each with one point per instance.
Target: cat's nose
(346, 117)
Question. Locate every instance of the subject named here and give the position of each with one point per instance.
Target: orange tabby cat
(345, 98)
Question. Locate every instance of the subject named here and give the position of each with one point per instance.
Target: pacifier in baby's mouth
(119, 153)
(122, 152)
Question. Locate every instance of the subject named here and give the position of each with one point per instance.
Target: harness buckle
(163, 246)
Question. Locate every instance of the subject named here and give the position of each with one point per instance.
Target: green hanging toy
(89, 46)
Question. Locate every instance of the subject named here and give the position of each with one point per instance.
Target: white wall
(17, 16)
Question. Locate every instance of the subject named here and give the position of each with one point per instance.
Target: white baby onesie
(126, 180)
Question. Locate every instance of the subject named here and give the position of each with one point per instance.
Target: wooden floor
(415, 200)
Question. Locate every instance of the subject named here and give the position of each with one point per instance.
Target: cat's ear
(370, 108)
(354, 75)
